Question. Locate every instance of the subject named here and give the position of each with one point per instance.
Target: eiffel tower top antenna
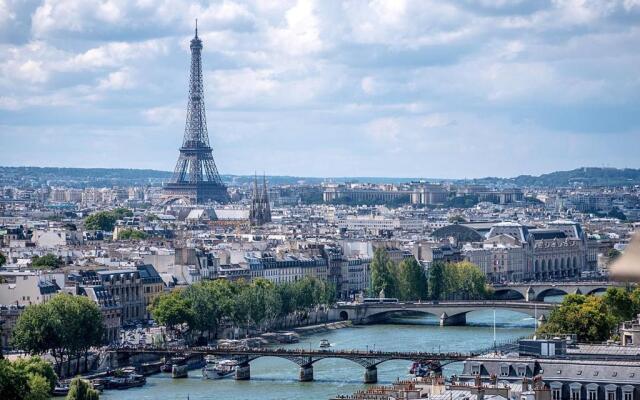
(196, 28)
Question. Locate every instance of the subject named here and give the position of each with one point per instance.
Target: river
(274, 378)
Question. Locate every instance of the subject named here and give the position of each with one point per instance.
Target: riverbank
(319, 328)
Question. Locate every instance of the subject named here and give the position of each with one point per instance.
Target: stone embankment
(311, 329)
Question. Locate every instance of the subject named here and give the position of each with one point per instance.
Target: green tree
(105, 220)
(383, 274)
(585, 316)
(122, 212)
(13, 384)
(436, 280)
(49, 260)
(211, 302)
(66, 326)
(132, 234)
(3, 259)
(100, 221)
(620, 304)
(172, 309)
(616, 213)
(412, 280)
(39, 388)
(37, 366)
(80, 389)
(464, 281)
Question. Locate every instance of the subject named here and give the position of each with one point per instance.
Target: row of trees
(593, 318)
(407, 280)
(66, 327)
(106, 220)
(26, 379)
(206, 306)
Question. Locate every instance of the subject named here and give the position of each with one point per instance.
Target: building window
(627, 395)
(611, 395)
(575, 394)
(504, 370)
(592, 395)
(475, 370)
(556, 394)
(522, 371)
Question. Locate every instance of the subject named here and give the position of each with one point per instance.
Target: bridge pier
(243, 372)
(454, 320)
(306, 373)
(530, 294)
(371, 374)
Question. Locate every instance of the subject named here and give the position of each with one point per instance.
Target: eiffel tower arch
(195, 177)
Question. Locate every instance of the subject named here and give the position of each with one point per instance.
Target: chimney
(525, 385)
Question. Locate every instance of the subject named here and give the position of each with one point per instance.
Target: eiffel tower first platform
(195, 178)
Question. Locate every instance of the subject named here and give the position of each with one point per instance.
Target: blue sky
(325, 88)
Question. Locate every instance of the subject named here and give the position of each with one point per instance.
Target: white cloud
(118, 80)
(301, 34)
(413, 76)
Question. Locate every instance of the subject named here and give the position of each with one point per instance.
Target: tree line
(203, 308)
(593, 318)
(66, 326)
(407, 280)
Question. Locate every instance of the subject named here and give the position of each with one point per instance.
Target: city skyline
(447, 90)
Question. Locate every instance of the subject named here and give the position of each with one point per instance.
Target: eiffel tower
(196, 177)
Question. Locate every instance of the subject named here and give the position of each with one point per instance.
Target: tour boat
(324, 343)
(218, 369)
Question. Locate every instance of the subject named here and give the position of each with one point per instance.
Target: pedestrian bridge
(305, 359)
(449, 312)
(537, 291)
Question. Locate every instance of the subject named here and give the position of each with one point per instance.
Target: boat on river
(218, 369)
(324, 343)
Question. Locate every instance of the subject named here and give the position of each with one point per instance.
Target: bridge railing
(292, 352)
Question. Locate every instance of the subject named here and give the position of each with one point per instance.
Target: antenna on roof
(196, 27)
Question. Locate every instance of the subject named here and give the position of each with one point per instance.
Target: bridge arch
(508, 294)
(553, 291)
(384, 314)
(344, 316)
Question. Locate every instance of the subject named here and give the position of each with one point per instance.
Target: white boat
(324, 343)
(218, 369)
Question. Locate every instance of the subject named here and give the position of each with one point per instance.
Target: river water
(274, 378)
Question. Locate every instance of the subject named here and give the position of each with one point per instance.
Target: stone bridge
(449, 312)
(305, 359)
(537, 291)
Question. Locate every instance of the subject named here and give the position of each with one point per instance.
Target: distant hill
(587, 176)
(83, 177)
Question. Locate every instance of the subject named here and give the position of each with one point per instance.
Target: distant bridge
(537, 291)
(305, 359)
(449, 312)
